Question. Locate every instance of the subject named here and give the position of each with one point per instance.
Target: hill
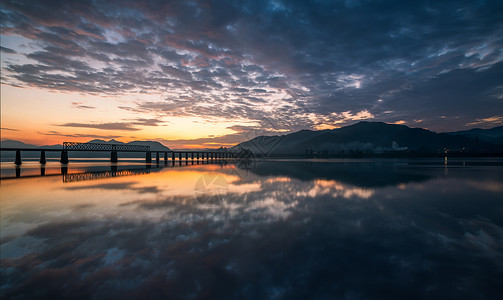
(366, 138)
(493, 135)
(16, 144)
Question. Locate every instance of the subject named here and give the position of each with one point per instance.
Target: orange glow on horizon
(50, 112)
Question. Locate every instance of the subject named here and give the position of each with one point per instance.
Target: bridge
(114, 149)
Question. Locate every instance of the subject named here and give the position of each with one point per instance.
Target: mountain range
(493, 135)
(375, 138)
(361, 138)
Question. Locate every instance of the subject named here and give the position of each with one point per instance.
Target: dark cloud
(147, 122)
(9, 129)
(79, 105)
(127, 126)
(7, 50)
(79, 135)
(243, 56)
(103, 126)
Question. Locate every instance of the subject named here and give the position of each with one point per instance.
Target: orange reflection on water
(28, 202)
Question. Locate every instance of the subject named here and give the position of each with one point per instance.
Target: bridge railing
(104, 147)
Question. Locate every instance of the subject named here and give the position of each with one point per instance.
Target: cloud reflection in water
(274, 236)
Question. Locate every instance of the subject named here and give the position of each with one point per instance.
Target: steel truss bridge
(104, 147)
(115, 148)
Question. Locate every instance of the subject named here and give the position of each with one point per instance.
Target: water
(343, 229)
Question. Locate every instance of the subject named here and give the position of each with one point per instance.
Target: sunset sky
(211, 73)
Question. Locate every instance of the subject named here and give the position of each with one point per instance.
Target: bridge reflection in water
(103, 174)
(114, 171)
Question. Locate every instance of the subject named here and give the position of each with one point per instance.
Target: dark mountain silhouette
(493, 135)
(154, 146)
(16, 144)
(366, 138)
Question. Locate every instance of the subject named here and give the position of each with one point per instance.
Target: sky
(198, 74)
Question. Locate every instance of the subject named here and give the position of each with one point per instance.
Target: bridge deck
(59, 150)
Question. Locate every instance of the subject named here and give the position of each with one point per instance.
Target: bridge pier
(157, 157)
(113, 156)
(42, 157)
(197, 156)
(18, 157)
(64, 157)
(180, 156)
(192, 155)
(173, 156)
(148, 157)
(186, 156)
(165, 157)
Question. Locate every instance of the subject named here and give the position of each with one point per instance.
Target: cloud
(125, 126)
(79, 105)
(147, 122)
(9, 129)
(79, 135)
(227, 140)
(7, 50)
(103, 126)
(257, 59)
(495, 120)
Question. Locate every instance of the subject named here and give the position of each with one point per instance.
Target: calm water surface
(279, 229)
